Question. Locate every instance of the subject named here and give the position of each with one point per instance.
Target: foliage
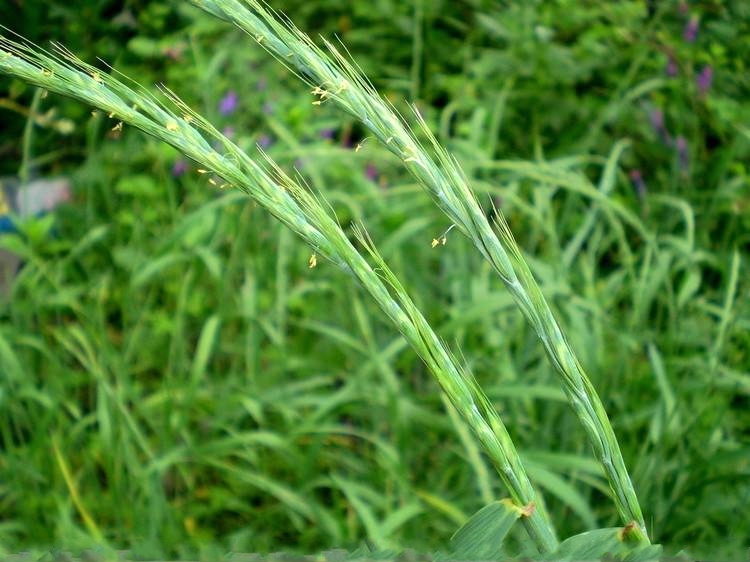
(173, 354)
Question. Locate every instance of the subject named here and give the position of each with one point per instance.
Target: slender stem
(24, 171)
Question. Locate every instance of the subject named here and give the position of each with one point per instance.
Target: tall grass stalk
(176, 124)
(332, 77)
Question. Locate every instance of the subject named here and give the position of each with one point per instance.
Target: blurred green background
(173, 376)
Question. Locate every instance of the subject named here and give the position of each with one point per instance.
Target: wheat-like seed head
(173, 122)
(334, 78)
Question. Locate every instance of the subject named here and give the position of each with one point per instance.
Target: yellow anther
(318, 91)
(443, 240)
(360, 145)
(313, 262)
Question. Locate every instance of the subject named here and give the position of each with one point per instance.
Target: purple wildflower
(268, 108)
(179, 168)
(671, 68)
(228, 103)
(682, 153)
(264, 141)
(371, 172)
(691, 30)
(657, 119)
(704, 79)
(640, 186)
(657, 122)
(327, 133)
(228, 132)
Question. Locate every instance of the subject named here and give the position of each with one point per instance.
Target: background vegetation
(174, 376)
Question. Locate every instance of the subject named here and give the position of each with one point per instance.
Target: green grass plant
(333, 77)
(302, 213)
(174, 372)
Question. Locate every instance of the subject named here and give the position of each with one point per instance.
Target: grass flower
(176, 124)
(332, 78)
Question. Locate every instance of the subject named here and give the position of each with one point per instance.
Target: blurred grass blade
(62, 464)
(618, 543)
(482, 536)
